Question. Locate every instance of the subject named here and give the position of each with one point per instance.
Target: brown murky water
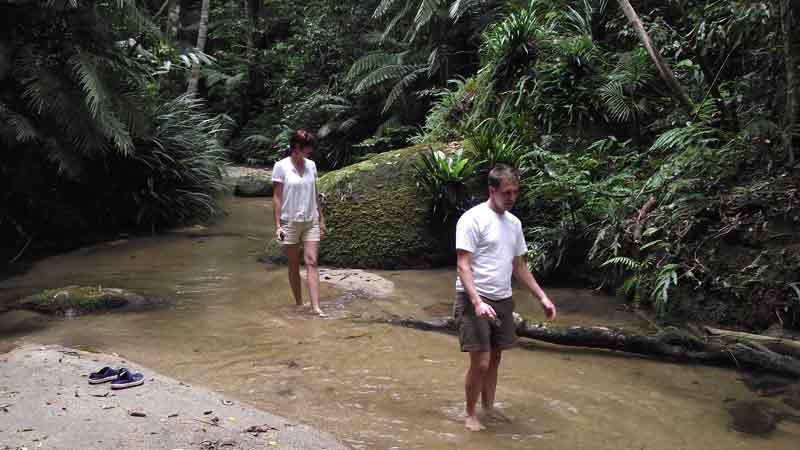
(233, 328)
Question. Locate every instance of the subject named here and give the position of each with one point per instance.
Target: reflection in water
(233, 327)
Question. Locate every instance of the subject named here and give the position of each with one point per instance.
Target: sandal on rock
(127, 379)
(103, 375)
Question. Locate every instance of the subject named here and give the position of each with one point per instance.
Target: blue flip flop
(127, 379)
(103, 375)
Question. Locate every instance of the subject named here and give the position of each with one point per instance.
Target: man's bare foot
(473, 424)
(496, 415)
(320, 313)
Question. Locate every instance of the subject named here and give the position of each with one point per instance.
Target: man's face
(506, 194)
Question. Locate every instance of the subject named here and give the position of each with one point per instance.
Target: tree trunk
(735, 350)
(663, 68)
(789, 117)
(174, 19)
(202, 36)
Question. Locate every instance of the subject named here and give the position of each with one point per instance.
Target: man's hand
(485, 311)
(549, 308)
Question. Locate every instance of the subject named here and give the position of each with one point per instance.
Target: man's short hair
(502, 172)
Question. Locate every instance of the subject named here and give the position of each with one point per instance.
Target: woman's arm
(277, 202)
(321, 217)
(319, 204)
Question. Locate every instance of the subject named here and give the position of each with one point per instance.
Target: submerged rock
(753, 417)
(77, 300)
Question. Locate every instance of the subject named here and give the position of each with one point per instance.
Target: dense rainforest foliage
(657, 139)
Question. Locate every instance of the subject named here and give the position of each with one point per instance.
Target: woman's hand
(280, 234)
(322, 231)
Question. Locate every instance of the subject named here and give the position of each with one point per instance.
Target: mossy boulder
(78, 300)
(376, 216)
(249, 181)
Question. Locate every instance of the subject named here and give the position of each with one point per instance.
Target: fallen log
(783, 346)
(672, 343)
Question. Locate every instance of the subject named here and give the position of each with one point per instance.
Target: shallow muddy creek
(233, 328)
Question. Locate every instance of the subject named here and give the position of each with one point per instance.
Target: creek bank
(46, 400)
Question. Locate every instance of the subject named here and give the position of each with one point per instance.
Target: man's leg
(293, 257)
(490, 387)
(473, 386)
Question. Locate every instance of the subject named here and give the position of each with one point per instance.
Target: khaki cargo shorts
(476, 334)
(297, 232)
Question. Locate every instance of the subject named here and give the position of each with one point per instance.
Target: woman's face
(307, 151)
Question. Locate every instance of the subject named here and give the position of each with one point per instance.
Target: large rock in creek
(376, 216)
(77, 300)
(249, 181)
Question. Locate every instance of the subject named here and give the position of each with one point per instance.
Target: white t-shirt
(299, 192)
(494, 240)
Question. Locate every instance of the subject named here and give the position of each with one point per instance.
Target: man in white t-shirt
(490, 248)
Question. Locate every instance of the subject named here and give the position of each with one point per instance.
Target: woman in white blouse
(298, 214)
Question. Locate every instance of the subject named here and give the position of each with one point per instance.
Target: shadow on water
(233, 327)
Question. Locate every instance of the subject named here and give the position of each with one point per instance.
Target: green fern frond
(624, 261)
(395, 20)
(370, 62)
(383, 74)
(89, 78)
(400, 88)
(459, 8)
(383, 7)
(16, 126)
(616, 102)
(681, 138)
(427, 10)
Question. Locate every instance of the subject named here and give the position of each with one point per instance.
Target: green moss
(377, 217)
(78, 300)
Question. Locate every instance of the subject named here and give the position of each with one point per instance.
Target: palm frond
(616, 102)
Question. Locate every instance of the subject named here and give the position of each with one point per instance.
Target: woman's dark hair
(300, 137)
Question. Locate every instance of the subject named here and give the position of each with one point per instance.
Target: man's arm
(464, 263)
(524, 275)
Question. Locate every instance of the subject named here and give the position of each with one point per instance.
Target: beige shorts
(297, 232)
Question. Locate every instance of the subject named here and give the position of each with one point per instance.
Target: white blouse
(299, 192)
